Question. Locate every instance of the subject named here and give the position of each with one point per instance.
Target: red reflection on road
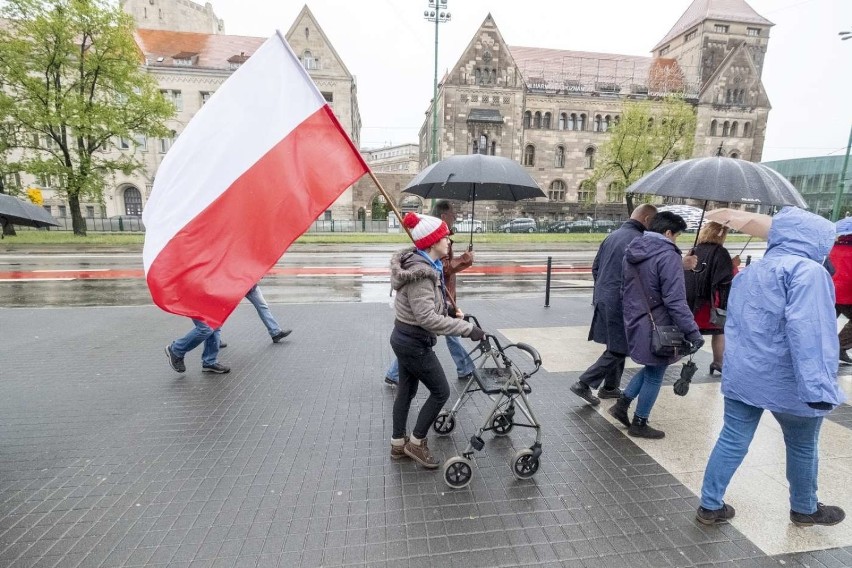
(124, 274)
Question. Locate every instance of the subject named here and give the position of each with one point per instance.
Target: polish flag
(249, 174)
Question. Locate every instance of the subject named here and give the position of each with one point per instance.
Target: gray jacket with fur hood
(419, 299)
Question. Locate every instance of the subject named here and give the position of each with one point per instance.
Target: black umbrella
(475, 177)
(719, 179)
(17, 212)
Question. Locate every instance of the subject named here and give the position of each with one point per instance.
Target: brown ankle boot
(398, 452)
(421, 454)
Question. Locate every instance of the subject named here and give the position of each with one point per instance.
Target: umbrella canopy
(17, 212)
(720, 179)
(844, 226)
(754, 224)
(475, 177)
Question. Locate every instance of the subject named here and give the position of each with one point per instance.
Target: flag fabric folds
(249, 174)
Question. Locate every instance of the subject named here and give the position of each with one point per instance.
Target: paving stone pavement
(109, 458)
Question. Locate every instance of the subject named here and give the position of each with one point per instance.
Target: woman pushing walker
(421, 309)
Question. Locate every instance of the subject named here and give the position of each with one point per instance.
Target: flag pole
(390, 202)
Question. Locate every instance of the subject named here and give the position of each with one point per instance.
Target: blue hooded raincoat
(781, 348)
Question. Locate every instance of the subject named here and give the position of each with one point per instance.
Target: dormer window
(235, 61)
(309, 61)
(185, 59)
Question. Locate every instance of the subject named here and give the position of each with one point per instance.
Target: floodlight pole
(434, 14)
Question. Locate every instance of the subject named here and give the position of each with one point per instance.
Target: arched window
(616, 120)
(560, 157)
(493, 147)
(483, 144)
(493, 76)
(581, 122)
(563, 121)
(572, 121)
(713, 128)
(746, 129)
(596, 125)
(729, 96)
(132, 202)
(615, 192)
(529, 155)
(726, 129)
(589, 163)
(486, 76)
(606, 123)
(537, 120)
(735, 155)
(557, 190)
(585, 191)
(741, 96)
(734, 128)
(477, 75)
(546, 123)
(309, 61)
(527, 119)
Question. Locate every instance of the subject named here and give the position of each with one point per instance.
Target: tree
(647, 135)
(72, 86)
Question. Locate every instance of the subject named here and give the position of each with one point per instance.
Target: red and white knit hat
(425, 229)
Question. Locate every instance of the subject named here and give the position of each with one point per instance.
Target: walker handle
(531, 351)
(470, 317)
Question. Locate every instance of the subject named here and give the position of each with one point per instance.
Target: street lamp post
(841, 184)
(436, 13)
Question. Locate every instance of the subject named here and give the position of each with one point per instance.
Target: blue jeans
(646, 385)
(464, 364)
(801, 437)
(201, 333)
(255, 296)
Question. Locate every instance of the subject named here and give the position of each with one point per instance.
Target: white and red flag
(249, 174)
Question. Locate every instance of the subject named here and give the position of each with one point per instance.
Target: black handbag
(718, 316)
(667, 341)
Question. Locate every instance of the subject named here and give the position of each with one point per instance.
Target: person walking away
(781, 356)
(421, 315)
(653, 287)
(201, 333)
(841, 259)
(710, 285)
(452, 265)
(608, 319)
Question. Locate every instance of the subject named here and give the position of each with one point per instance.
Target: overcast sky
(389, 47)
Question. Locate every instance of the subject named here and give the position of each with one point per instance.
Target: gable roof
(739, 51)
(214, 50)
(306, 13)
(724, 10)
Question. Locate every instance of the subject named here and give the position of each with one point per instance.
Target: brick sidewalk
(109, 458)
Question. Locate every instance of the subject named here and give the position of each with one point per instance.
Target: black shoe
(217, 368)
(844, 357)
(639, 429)
(175, 362)
(605, 392)
(281, 335)
(583, 391)
(713, 516)
(222, 345)
(619, 410)
(466, 377)
(391, 382)
(825, 515)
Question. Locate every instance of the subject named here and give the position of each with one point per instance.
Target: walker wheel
(444, 423)
(502, 424)
(457, 472)
(523, 464)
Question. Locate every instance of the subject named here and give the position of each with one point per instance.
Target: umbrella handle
(700, 269)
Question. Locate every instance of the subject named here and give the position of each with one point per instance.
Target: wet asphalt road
(305, 274)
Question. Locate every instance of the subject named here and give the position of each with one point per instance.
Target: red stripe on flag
(207, 268)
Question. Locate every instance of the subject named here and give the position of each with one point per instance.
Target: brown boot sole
(418, 459)
(398, 456)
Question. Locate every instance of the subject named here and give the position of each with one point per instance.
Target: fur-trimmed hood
(408, 265)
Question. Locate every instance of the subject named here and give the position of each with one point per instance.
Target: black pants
(607, 370)
(417, 364)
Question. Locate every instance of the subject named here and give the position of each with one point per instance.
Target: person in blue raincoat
(781, 355)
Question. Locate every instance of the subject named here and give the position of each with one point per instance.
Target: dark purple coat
(608, 320)
(656, 263)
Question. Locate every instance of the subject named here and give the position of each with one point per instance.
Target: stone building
(403, 158)
(188, 54)
(550, 109)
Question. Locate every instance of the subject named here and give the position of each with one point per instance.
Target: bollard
(547, 282)
(748, 259)
(120, 224)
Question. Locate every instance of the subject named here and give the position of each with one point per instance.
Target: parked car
(579, 226)
(606, 226)
(519, 225)
(466, 225)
